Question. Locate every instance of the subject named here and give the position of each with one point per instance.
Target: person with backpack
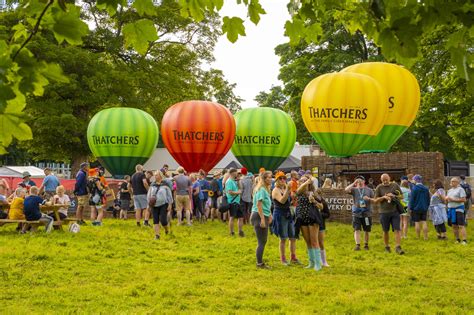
(468, 203)
(160, 200)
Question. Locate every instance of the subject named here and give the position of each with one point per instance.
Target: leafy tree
(302, 63)
(104, 73)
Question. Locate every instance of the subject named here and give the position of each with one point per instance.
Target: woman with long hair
(437, 209)
(308, 219)
(405, 187)
(325, 214)
(261, 217)
(283, 224)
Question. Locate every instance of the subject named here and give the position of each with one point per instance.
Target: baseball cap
(279, 174)
(261, 170)
(417, 178)
(404, 177)
(360, 177)
(25, 174)
(243, 171)
(84, 164)
(301, 172)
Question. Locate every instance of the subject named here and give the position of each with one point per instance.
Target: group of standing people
(409, 201)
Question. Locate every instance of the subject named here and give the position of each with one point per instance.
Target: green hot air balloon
(121, 138)
(264, 137)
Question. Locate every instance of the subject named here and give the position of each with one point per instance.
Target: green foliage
(233, 27)
(398, 27)
(139, 34)
(201, 269)
(302, 63)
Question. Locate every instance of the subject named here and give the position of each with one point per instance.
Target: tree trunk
(76, 164)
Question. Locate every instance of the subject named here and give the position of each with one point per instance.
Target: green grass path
(120, 269)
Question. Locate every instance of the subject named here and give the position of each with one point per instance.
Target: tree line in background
(61, 62)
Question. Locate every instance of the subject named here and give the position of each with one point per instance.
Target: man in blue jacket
(419, 204)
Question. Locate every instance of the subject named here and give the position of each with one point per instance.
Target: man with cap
(246, 183)
(27, 183)
(50, 182)
(80, 191)
(419, 204)
(361, 210)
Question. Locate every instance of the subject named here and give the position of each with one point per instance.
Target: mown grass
(119, 268)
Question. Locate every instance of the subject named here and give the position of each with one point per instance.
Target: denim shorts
(285, 228)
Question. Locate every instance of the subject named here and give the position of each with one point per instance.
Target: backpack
(467, 189)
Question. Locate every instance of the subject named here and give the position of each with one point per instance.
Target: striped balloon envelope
(198, 133)
(342, 111)
(121, 138)
(264, 138)
(403, 101)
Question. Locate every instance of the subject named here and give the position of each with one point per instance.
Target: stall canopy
(291, 163)
(17, 171)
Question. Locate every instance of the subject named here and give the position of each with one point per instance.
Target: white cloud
(251, 61)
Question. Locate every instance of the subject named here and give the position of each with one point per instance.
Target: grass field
(119, 268)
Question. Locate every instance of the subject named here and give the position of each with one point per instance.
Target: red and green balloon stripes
(264, 137)
(121, 138)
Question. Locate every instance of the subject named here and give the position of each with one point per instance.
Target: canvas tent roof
(17, 171)
(291, 163)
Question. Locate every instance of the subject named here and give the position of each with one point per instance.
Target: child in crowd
(16, 206)
(32, 209)
(61, 199)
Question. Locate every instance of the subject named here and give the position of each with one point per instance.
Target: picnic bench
(45, 209)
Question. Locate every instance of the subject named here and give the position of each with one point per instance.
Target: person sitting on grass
(163, 199)
(16, 201)
(32, 209)
(61, 199)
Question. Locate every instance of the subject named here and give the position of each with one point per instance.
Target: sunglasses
(280, 178)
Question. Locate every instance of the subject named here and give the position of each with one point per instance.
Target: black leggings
(262, 235)
(198, 206)
(160, 214)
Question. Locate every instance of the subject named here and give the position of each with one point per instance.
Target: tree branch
(35, 29)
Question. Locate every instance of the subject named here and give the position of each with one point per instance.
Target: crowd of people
(285, 205)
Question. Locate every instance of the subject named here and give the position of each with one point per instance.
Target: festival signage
(198, 134)
(343, 110)
(403, 101)
(121, 138)
(264, 137)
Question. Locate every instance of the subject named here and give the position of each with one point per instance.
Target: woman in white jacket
(160, 200)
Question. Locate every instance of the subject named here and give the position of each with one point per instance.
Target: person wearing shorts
(183, 192)
(456, 198)
(385, 194)
(283, 224)
(419, 204)
(140, 190)
(361, 210)
(232, 194)
(125, 197)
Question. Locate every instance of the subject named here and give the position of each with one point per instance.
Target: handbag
(225, 205)
(398, 205)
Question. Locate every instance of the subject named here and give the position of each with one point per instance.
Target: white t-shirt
(456, 193)
(64, 200)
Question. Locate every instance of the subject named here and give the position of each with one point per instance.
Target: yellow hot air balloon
(342, 111)
(403, 101)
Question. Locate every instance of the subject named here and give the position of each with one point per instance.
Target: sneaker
(138, 224)
(157, 237)
(241, 233)
(285, 262)
(263, 266)
(366, 246)
(387, 249)
(399, 250)
(296, 261)
(81, 222)
(357, 248)
(458, 241)
(95, 223)
(146, 224)
(232, 234)
(464, 242)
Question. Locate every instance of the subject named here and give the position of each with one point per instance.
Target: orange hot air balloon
(198, 133)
